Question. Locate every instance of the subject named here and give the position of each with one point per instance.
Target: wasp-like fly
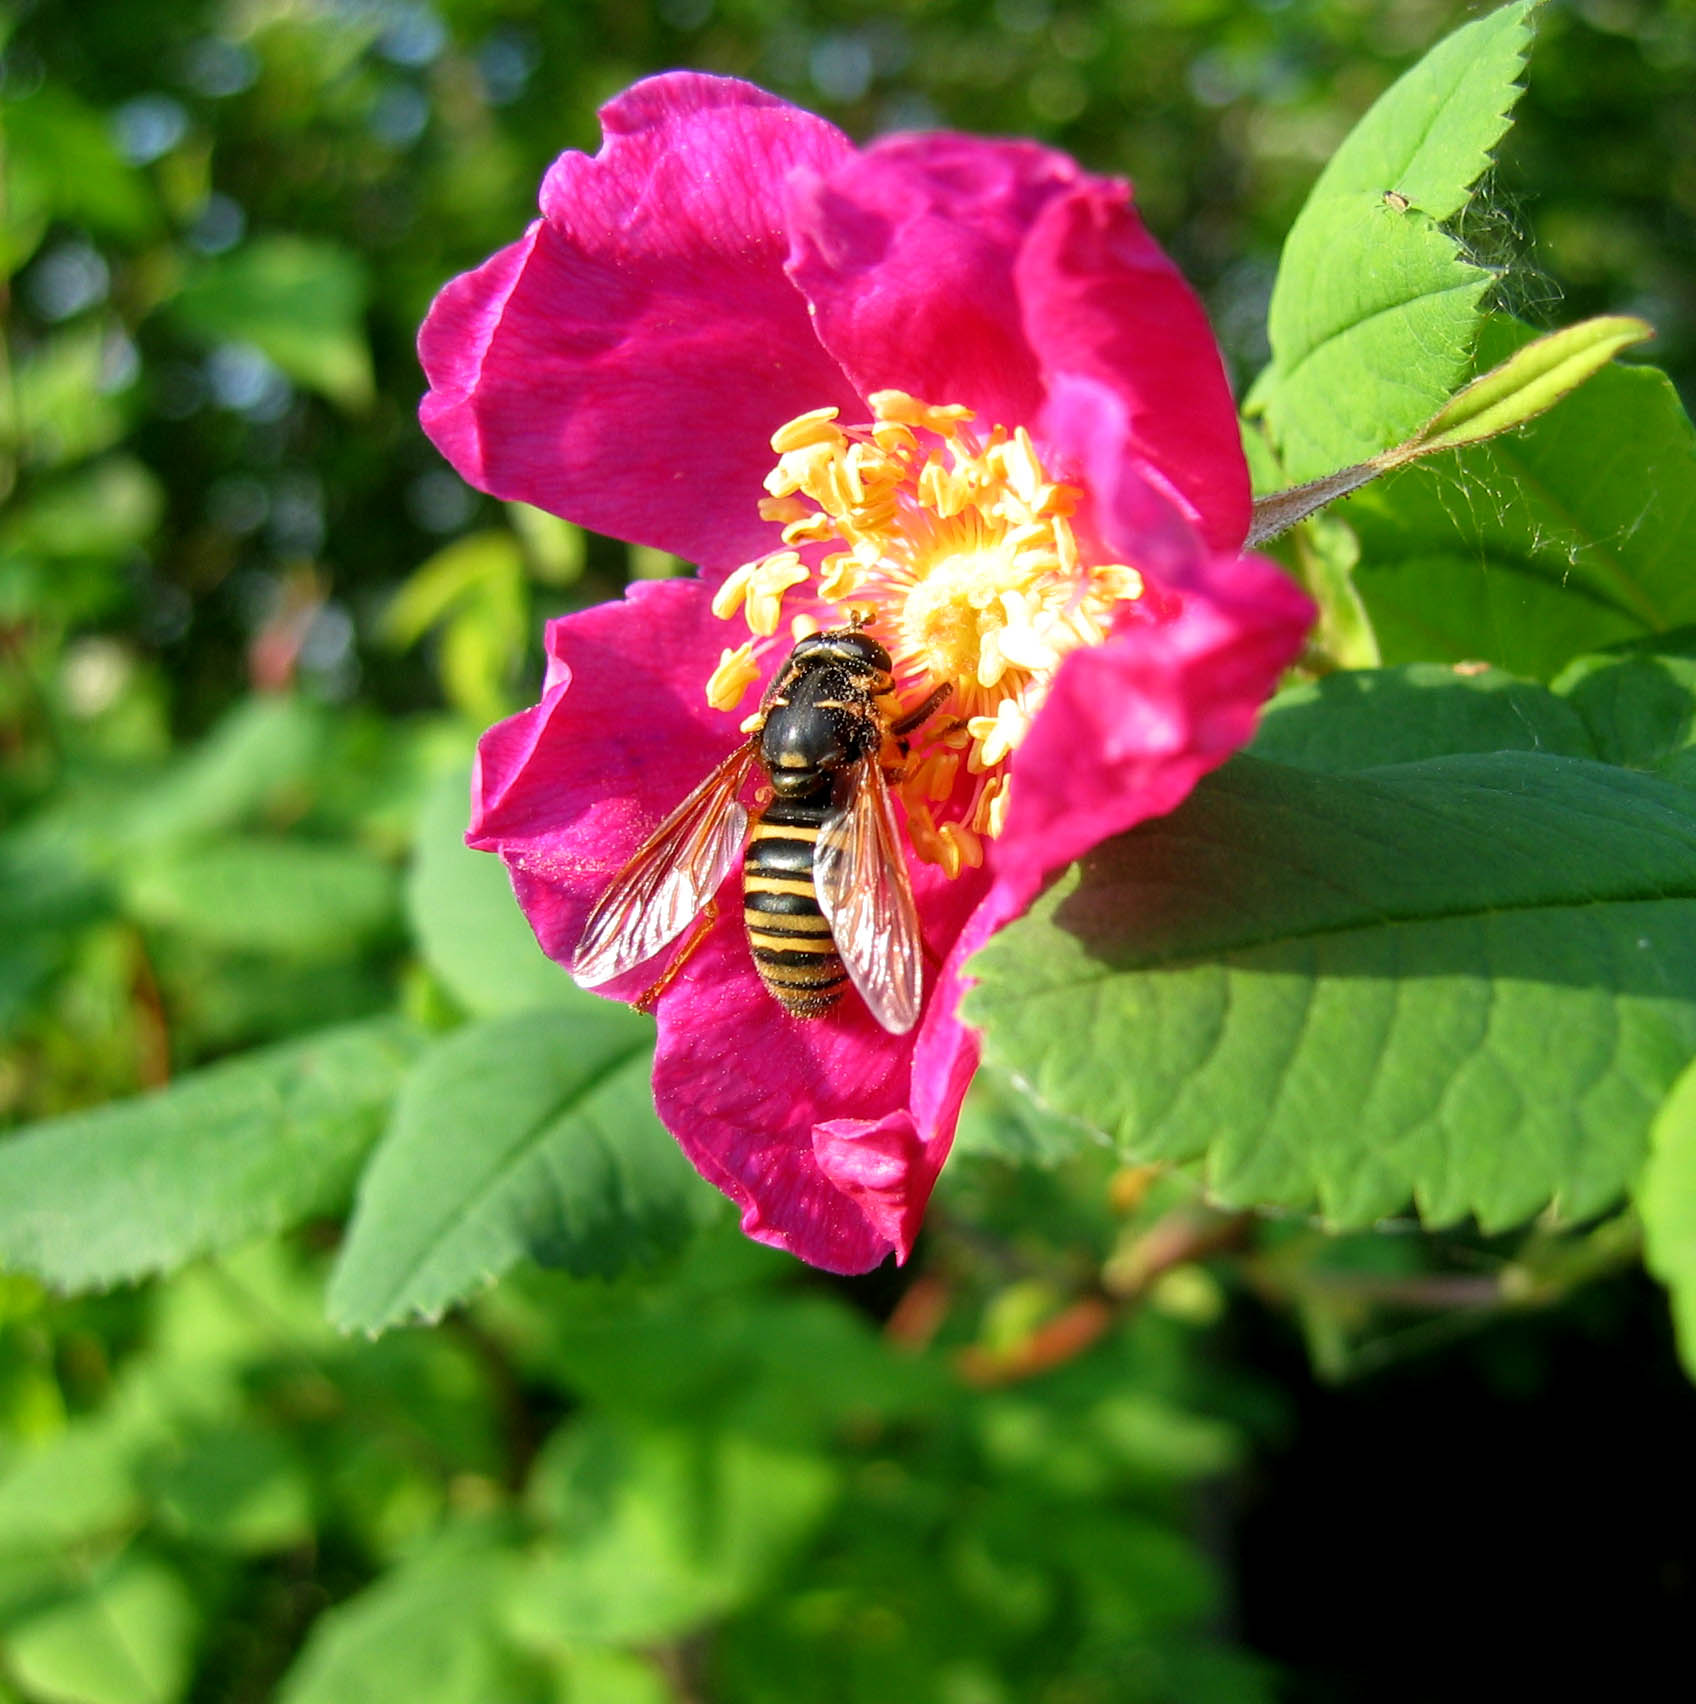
(825, 894)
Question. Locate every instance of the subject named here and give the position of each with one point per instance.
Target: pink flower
(948, 385)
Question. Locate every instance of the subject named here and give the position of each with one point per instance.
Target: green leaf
(474, 590)
(1574, 533)
(59, 163)
(291, 897)
(1466, 982)
(101, 511)
(1666, 1198)
(457, 572)
(469, 927)
(125, 1638)
(299, 301)
(661, 1529)
(1368, 718)
(1428, 137)
(1640, 711)
(238, 1488)
(1373, 313)
(998, 1120)
(427, 1632)
(216, 1159)
(1528, 383)
(1378, 337)
(76, 1487)
(262, 751)
(532, 1135)
(56, 410)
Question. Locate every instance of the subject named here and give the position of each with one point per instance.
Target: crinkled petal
(626, 363)
(808, 1125)
(906, 253)
(565, 792)
(1099, 300)
(1128, 727)
(742, 1085)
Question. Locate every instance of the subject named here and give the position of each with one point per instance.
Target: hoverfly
(825, 894)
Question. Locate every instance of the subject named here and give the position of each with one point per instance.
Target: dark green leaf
(532, 1135)
(216, 1159)
(1367, 718)
(1466, 983)
(1640, 710)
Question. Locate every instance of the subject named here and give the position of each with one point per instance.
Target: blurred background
(250, 626)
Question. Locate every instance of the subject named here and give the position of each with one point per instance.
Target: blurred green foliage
(249, 628)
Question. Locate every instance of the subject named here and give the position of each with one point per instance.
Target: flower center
(955, 549)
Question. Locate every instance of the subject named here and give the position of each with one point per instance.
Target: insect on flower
(826, 897)
(939, 390)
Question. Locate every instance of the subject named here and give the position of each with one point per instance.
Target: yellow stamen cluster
(956, 550)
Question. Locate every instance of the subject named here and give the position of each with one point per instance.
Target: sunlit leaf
(296, 898)
(1375, 307)
(1464, 983)
(1666, 1198)
(1528, 383)
(525, 1136)
(661, 1529)
(99, 511)
(125, 1637)
(218, 1158)
(429, 1631)
(57, 409)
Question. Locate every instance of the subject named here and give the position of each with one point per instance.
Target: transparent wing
(868, 901)
(668, 881)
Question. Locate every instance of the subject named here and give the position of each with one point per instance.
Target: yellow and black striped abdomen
(787, 932)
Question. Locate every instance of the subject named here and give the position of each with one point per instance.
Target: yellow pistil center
(955, 549)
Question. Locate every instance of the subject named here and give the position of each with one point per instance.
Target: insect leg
(703, 927)
(924, 712)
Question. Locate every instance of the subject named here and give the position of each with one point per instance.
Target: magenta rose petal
(1100, 300)
(626, 364)
(567, 791)
(743, 1086)
(906, 253)
(1130, 726)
